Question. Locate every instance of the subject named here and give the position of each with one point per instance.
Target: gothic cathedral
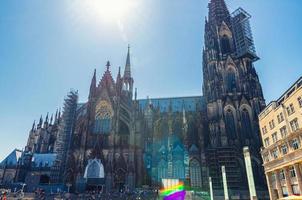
(118, 142)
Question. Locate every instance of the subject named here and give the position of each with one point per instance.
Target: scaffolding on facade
(243, 34)
(64, 136)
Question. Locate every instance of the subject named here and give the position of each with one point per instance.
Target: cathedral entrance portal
(94, 175)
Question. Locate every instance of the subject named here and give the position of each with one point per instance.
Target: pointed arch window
(102, 125)
(230, 80)
(246, 124)
(195, 174)
(103, 117)
(179, 170)
(225, 44)
(162, 170)
(230, 124)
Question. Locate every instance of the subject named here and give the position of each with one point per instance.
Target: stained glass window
(230, 125)
(230, 80)
(162, 170)
(195, 173)
(225, 44)
(102, 126)
(246, 124)
(103, 117)
(178, 170)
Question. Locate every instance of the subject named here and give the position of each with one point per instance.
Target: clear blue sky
(50, 46)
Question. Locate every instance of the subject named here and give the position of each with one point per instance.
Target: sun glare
(109, 9)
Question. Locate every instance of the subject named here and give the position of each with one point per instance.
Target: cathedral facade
(119, 142)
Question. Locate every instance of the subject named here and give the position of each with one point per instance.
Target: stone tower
(233, 95)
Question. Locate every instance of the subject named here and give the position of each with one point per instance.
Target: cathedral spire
(46, 120)
(184, 119)
(93, 85)
(218, 12)
(51, 119)
(56, 115)
(119, 72)
(119, 77)
(108, 65)
(59, 114)
(40, 122)
(127, 79)
(127, 72)
(34, 125)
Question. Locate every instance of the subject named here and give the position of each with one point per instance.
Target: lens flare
(108, 9)
(175, 192)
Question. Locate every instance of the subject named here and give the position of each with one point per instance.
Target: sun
(109, 9)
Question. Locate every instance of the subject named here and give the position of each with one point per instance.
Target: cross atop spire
(108, 65)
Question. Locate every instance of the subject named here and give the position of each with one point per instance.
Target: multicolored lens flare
(176, 192)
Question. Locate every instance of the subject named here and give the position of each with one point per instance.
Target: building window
(300, 101)
(266, 142)
(284, 191)
(266, 157)
(273, 177)
(295, 144)
(280, 118)
(264, 130)
(284, 149)
(275, 153)
(290, 109)
(275, 137)
(292, 172)
(294, 124)
(272, 124)
(283, 132)
(282, 175)
(296, 190)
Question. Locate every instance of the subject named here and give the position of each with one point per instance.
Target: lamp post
(225, 184)
(249, 173)
(211, 188)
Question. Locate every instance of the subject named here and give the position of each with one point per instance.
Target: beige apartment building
(280, 123)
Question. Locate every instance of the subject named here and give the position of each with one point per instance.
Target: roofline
(291, 87)
(284, 93)
(158, 98)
